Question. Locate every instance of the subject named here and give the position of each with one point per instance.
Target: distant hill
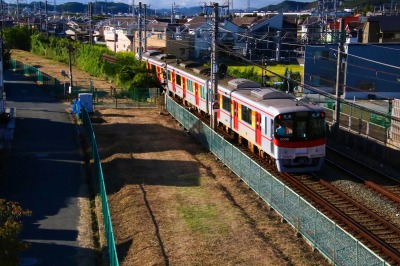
(289, 6)
(113, 8)
(295, 6)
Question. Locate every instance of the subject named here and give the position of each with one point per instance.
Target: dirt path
(172, 203)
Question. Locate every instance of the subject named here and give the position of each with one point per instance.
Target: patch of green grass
(279, 69)
(199, 218)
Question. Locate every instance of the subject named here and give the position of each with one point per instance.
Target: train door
(159, 74)
(271, 133)
(258, 128)
(196, 93)
(173, 81)
(219, 105)
(235, 115)
(184, 87)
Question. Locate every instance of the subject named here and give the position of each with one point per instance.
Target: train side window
(266, 126)
(178, 80)
(169, 75)
(226, 103)
(246, 114)
(202, 92)
(190, 85)
(271, 132)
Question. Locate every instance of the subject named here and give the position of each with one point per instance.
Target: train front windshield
(300, 126)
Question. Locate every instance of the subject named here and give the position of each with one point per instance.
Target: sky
(237, 4)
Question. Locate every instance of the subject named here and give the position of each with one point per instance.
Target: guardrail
(323, 234)
(98, 172)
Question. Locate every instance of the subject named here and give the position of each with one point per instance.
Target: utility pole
(40, 16)
(173, 12)
(70, 50)
(2, 92)
(278, 46)
(140, 25)
(144, 27)
(214, 68)
(213, 98)
(115, 35)
(2, 18)
(339, 77)
(264, 71)
(18, 12)
(46, 17)
(90, 11)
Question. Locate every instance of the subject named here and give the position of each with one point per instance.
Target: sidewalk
(45, 174)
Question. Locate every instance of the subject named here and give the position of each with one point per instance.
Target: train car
(280, 128)
(183, 79)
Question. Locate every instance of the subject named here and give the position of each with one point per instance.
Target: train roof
(274, 101)
(270, 99)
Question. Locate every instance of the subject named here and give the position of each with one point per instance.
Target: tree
(10, 228)
(17, 38)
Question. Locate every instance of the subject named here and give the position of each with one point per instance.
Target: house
(381, 29)
(57, 26)
(310, 30)
(78, 29)
(369, 71)
(335, 26)
(117, 39)
(115, 32)
(354, 32)
(264, 33)
(162, 36)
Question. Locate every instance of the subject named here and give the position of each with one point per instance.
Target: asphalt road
(44, 173)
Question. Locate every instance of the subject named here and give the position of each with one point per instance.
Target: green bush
(127, 72)
(17, 38)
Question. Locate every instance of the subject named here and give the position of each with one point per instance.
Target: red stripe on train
(299, 144)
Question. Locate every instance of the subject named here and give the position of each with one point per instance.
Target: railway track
(378, 234)
(372, 178)
(374, 231)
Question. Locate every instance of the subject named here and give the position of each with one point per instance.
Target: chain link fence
(323, 234)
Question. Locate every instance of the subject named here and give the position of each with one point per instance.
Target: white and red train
(274, 124)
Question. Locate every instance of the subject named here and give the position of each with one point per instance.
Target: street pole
(70, 68)
(90, 23)
(278, 46)
(140, 31)
(46, 17)
(2, 91)
(339, 78)
(214, 68)
(115, 39)
(144, 27)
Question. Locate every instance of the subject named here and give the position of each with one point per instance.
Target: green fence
(98, 172)
(52, 84)
(332, 241)
(55, 86)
